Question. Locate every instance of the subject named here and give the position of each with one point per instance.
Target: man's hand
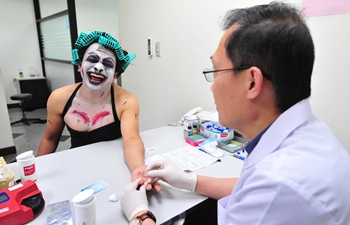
(141, 173)
(132, 200)
(167, 171)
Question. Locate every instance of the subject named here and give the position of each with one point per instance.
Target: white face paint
(98, 67)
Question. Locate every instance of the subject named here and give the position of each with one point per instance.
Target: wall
(331, 76)
(189, 32)
(102, 15)
(19, 43)
(6, 139)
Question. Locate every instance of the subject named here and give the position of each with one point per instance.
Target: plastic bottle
(84, 207)
(26, 161)
(195, 128)
(20, 73)
(189, 130)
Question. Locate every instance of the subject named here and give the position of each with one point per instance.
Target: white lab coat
(297, 174)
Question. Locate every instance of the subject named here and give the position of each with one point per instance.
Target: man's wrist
(143, 217)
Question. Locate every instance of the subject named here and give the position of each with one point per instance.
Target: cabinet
(37, 86)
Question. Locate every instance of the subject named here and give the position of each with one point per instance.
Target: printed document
(188, 158)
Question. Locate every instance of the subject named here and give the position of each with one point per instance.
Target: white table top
(63, 174)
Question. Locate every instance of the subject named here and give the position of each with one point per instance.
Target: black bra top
(106, 133)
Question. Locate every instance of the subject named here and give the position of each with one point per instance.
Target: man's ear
(79, 68)
(115, 75)
(256, 82)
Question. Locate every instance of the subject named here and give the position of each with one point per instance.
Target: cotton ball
(113, 198)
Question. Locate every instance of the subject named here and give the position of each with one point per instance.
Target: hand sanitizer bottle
(20, 73)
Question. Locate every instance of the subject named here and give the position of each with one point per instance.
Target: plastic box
(215, 130)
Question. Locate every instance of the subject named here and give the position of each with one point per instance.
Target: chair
(23, 97)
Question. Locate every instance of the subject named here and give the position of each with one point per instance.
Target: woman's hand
(141, 173)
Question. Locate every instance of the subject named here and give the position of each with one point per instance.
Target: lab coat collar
(279, 130)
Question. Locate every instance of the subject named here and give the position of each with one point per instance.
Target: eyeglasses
(209, 73)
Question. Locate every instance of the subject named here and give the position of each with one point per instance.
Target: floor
(28, 137)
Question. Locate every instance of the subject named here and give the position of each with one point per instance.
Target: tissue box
(7, 174)
(216, 131)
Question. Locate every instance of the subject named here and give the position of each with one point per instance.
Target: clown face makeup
(98, 67)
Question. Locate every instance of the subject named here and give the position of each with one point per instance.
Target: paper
(188, 158)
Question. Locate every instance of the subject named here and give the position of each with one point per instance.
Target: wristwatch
(139, 219)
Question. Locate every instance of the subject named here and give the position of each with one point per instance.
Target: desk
(37, 86)
(63, 174)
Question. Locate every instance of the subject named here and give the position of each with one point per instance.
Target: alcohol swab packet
(59, 213)
(97, 187)
(151, 149)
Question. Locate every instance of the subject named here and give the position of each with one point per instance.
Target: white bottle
(84, 207)
(26, 162)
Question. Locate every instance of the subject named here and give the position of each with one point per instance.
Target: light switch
(157, 49)
(149, 47)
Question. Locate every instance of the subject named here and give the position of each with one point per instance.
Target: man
(97, 109)
(296, 171)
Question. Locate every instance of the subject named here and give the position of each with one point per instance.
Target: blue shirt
(251, 145)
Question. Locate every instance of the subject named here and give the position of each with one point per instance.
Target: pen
(202, 150)
(238, 157)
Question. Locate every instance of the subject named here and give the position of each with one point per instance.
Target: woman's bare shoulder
(124, 100)
(61, 95)
(121, 92)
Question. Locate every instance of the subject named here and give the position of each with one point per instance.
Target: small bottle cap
(25, 155)
(83, 197)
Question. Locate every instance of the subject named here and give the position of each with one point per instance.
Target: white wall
(102, 15)
(189, 32)
(6, 139)
(331, 76)
(19, 43)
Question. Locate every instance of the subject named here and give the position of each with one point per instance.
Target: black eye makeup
(108, 63)
(95, 58)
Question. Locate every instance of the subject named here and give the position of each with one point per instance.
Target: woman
(96, 109)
